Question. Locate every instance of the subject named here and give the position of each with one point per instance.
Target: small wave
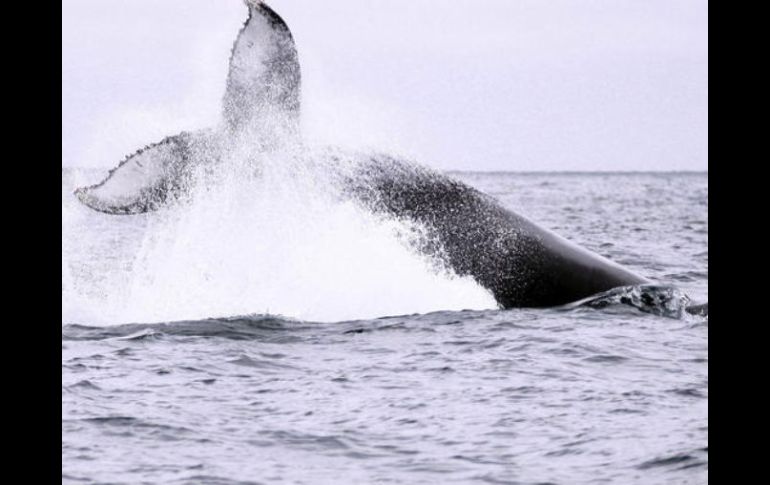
(132, 422)
(256, 327)
(128, 426)
(680, 461)
(606, 359)
(246, 361)
(689, 392)
(73, 478)
(213, 480)
(275, 329)
(302, 440)
(84, 385)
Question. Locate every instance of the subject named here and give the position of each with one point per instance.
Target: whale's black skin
(521, 264)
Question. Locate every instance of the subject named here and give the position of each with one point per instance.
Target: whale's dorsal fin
(263, 83)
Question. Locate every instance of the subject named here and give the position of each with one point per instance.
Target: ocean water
(274, 336)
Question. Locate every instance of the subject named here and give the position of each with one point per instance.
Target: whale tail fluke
(261, 104)
(151, 177)
(263, 82)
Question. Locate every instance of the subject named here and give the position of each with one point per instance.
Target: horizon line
(498, 171)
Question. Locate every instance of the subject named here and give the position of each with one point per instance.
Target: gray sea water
(373, 373)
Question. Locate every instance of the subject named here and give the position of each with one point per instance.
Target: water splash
(261, 232)
(666, 301)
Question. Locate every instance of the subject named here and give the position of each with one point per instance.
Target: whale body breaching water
(466, 231)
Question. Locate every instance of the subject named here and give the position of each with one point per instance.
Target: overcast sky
(460, 84)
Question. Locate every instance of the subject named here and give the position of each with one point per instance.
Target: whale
(470, 233)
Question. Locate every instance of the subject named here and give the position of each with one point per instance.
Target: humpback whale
(520, 263)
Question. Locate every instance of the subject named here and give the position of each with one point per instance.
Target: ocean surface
(272, 338)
